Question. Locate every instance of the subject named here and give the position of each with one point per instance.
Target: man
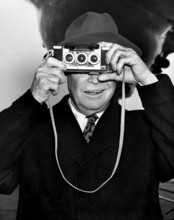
(27, 154)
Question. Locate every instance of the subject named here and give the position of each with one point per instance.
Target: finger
(127, 58)
(117, 55)
(48, 85)
(124, 61)
(104, 77)
(55, 92)
(54, 79)
(111, 77)
(57, 76)
(112, 50)
(53, 62)
(105, 44)
(122, 57)
(54, 88)
(128, 78)
(54, 73)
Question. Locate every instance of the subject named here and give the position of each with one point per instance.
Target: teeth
(93, 92)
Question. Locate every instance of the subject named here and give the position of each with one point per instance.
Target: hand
(47, 79)
(121, 58)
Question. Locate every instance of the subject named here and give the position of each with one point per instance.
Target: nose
(93, 78)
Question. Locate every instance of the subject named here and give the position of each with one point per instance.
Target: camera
(82, 58)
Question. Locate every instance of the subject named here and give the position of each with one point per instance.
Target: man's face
(88, 94)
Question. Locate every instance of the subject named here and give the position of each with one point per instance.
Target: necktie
(90, 126)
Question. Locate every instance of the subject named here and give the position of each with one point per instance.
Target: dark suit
(27, 158)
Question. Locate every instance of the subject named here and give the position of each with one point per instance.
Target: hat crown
(90, 23)
(93, 27)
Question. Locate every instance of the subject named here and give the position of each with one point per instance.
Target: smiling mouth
(93, 92)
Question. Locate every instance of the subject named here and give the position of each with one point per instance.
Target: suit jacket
(27, 158)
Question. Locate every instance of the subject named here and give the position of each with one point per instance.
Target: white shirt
(81, 118)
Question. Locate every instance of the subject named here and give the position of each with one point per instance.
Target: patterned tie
(90, 126)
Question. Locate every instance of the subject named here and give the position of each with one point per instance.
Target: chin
(94, 107)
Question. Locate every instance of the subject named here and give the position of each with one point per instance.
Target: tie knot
(92, 118)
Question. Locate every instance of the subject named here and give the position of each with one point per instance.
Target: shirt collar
(81, 118)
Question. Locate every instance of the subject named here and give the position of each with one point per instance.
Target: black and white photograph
(87, 110)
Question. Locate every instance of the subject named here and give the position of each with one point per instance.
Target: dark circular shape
(69, 58)
(81, 58)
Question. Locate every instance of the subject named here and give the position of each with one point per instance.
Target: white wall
(20, 48)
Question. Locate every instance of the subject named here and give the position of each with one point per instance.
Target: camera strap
(121, 139)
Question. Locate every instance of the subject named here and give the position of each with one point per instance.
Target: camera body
(82, 58)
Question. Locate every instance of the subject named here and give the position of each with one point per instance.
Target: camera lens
(69, 58)
(94, 58)
(81, 58)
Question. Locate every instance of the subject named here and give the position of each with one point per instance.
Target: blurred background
(25, 26)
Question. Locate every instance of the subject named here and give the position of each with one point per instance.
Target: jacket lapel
(68, 130)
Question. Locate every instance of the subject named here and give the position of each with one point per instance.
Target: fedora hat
(92, 28)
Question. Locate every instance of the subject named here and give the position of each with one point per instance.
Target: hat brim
(102, 36)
